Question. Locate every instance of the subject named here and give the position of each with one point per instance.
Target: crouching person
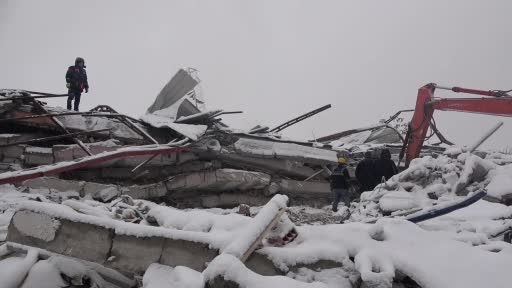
(339, 184)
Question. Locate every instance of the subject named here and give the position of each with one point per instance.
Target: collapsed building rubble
(101, 199)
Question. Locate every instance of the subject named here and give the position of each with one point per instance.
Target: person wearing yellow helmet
(339, 184)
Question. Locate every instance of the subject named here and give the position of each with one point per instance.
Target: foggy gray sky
(272, 59)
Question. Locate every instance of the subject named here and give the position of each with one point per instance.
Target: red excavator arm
(500, 104)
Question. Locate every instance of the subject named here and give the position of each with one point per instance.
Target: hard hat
(342, 160)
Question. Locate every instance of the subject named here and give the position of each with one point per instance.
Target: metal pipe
(493, 93)
(447, 209)
(314, 174)
(300, 118)
(44, 115)
(31, 97)
(69, 135)
(485, 136)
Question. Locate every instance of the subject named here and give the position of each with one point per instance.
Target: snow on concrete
(82, 123)
(231, 269)
(158, 276)
(500, 181)
(285, 150)
(191, 131)
(44, 275)
(333, 277)
(44, 228)
(245, 238)
(424, 256)
(397, 200)
(460, 249)
(14, 270)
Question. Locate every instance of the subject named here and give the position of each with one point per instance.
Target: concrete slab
(146, 191)
(219, 180)
(186, 253)
(54, 184)
(301, 188)
(135, 254)
(80, 240)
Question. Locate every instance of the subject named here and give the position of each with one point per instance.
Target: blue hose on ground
(448, 209)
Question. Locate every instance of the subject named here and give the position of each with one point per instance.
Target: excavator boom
(500, 104)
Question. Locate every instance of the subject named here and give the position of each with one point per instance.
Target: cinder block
(13, 151)
(38, 156)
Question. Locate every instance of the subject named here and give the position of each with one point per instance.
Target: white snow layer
(158, 276)
(231, 269)
(461, 249)
(188, 130)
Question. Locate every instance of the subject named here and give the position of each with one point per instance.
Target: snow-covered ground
(376, 245)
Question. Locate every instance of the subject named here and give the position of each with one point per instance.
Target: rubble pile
(178, 199)
(215, 166)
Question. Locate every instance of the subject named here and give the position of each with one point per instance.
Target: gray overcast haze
(272, 59)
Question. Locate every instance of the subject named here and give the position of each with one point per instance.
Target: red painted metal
(491, 106)
(54, 169)
(476, 92)
(419, 124)
(426, 104)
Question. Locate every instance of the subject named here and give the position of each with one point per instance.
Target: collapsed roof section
(178, 146)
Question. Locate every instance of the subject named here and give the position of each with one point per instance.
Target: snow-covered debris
(228, 268)
(500, 181)
(14, 270)
(475, 170)
(158, 276)
(245, 239)
(190, 131)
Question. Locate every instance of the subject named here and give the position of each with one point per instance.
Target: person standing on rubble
(385, 167)
(365, 173)
(76, 82)
(339, 184)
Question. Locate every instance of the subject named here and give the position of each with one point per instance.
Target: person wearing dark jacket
(339, 184)
(365, 173)
(385, 167)
(76, 82)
